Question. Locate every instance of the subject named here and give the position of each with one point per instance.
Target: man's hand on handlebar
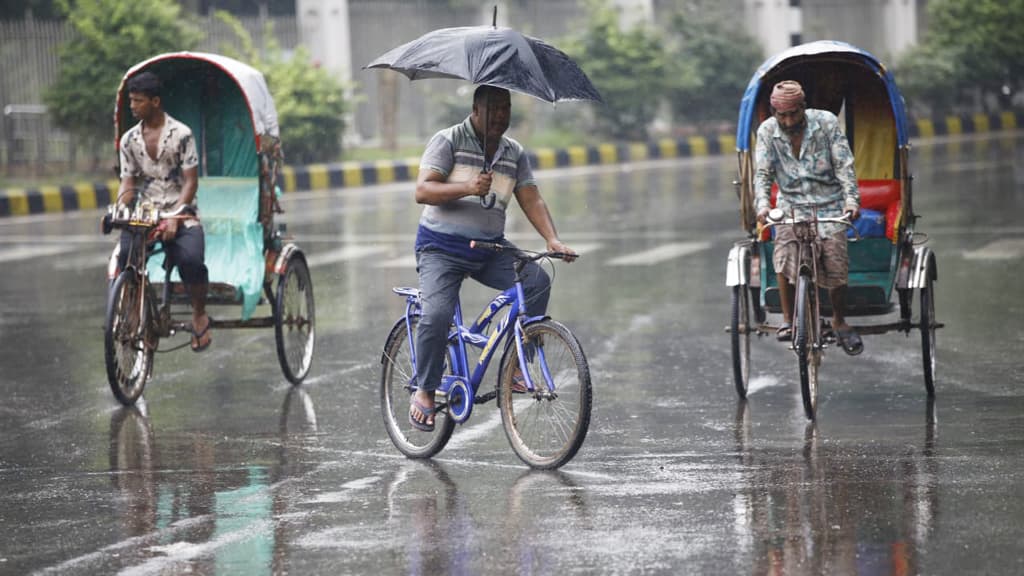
(762, 215)
(168, 229)
(557, 246)
(854, 213)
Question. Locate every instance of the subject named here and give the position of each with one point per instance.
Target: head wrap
(787, 95)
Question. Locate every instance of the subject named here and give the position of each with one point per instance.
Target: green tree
(310, 101)
(628, 67)
(712, 60)
(985, 36)
(970, 46)
(111, 36)
(927, 79)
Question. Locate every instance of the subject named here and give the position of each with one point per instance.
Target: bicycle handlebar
(519, 254)
(777, 217)
(143, 215)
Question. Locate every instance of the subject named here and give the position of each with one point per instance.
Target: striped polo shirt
(457, 154)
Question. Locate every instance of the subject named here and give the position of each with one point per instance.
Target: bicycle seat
(406, 291)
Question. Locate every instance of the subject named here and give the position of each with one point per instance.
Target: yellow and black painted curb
(68, 198)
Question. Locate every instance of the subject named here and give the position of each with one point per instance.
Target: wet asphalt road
(225, 469)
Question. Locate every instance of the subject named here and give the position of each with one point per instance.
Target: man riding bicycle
(468, 174)
(159, 164)
(805, 152)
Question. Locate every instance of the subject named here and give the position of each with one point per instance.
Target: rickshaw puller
(806, 153)
(159, 162)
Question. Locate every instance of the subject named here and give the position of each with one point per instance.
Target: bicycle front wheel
(806, 343)
(546, 426)
(928, 334)
(128, 358)
(739, 329)
(397, 383)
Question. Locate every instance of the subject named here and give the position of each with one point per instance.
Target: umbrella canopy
(492, 55)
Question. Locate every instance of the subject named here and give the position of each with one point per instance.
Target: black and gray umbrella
(492, 55)
(495, 56)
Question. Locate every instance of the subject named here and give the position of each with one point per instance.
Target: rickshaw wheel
(128, 359)
(295, 320)
(928, 334)
(739, 329)
(806, 344)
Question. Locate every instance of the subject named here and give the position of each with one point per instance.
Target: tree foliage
(712, 60)
(970, 46)
(628, 67)
(112, 35)
(310, 101)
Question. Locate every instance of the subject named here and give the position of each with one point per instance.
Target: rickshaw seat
(228, 210)
(880, 195)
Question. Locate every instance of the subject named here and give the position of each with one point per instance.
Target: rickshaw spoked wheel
(805, 342)
(927, 298)
(128, 358)
(295, 319)
(740, 329)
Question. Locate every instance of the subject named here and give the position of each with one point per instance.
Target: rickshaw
(888, 259)
(251, 261)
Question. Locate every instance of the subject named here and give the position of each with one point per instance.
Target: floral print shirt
(823, 174)
(160, 180)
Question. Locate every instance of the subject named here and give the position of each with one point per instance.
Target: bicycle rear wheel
(397, 383)
(806, 343)
(128, 359)
(547, 427)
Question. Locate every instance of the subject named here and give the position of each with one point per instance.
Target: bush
(310, 102)
(112, 36)
(628, 68)
(712, 62)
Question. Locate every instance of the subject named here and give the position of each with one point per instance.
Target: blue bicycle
(543, 386)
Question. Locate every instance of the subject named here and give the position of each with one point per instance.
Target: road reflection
(836, 509)
(423, 501)
(198, 516)
(439, 526)
(132, 467)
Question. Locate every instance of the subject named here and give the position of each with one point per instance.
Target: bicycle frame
(139, 252)
(475, 335)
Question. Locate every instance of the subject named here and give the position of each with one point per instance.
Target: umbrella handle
(488, 201)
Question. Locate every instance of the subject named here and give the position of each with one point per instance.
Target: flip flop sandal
(784, 333)
(850, 341)
(519, 384)
(421, 426)
(198, 337)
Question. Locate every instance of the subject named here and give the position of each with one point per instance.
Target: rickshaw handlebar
(776, 217)
(142, 215)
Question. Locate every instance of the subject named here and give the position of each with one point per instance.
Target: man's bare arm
(190, 186)
(432, 188)
(126, 190)
(537, 213)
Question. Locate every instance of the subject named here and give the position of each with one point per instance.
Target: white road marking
(343, 254)
(29, 252)
(407, 261)
(80, 262)
(660, 254)
(1007, 249)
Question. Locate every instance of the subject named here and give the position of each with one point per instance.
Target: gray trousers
(187, 251)
(441, 277)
